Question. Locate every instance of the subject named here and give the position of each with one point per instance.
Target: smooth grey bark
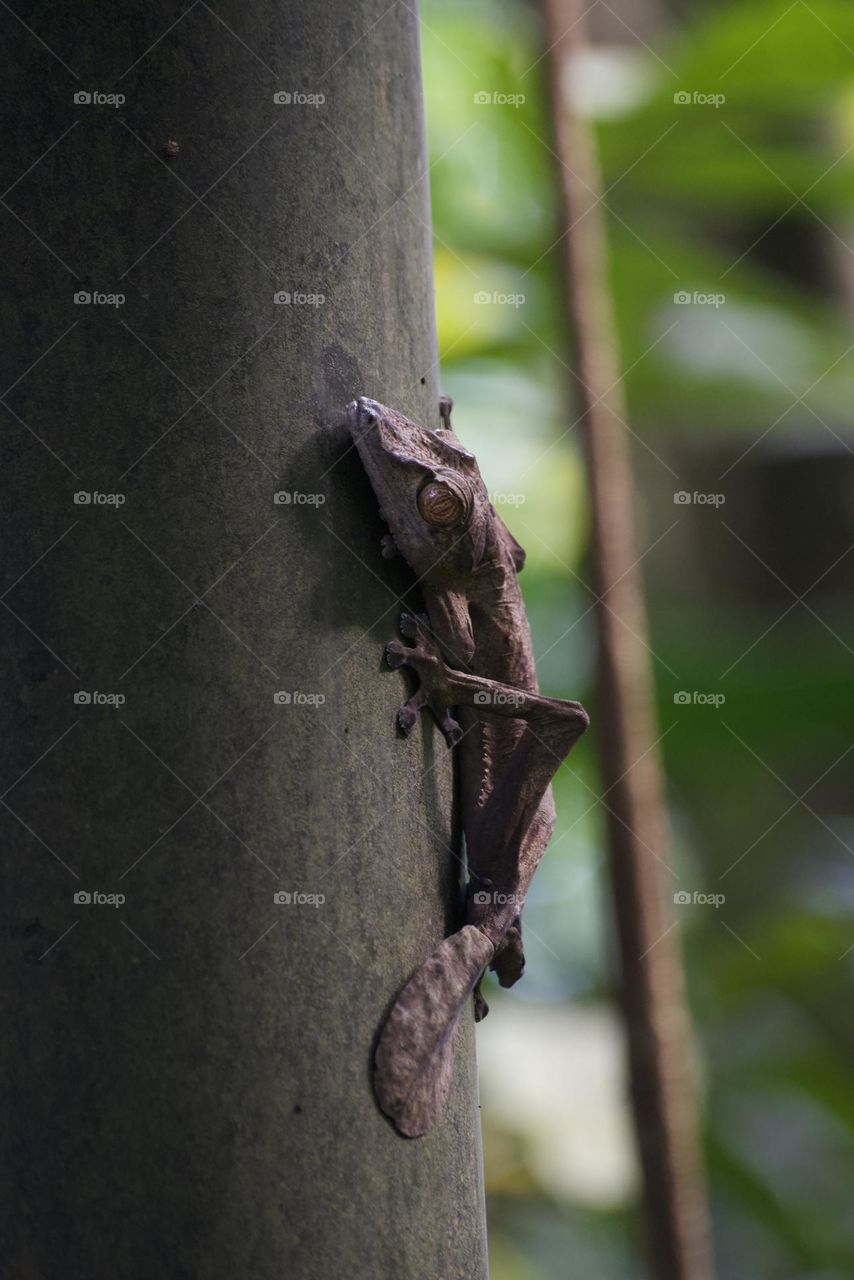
(186, 1076)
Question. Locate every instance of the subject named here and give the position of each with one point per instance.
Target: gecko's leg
(442, 687)
(446, 686)
(407, 716)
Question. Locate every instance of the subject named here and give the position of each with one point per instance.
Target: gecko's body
(473, 655)
(503, 653)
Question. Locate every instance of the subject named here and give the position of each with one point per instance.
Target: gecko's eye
(443, 503)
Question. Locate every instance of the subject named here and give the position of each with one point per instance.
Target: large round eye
(442, 504)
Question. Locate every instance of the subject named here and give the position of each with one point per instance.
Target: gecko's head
(429, 490)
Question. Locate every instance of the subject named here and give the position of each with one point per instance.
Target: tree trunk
(186, 1073)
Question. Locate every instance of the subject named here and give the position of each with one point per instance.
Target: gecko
(471, 651)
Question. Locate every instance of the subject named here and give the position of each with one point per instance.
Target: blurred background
(726, 135)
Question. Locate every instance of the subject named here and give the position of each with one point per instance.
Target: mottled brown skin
(472, 653)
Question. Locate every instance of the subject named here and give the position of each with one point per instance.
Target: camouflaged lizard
(473, 657)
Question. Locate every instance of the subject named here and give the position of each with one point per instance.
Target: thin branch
(663, 1081)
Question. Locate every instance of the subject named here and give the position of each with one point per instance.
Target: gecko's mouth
(363, 413)
(365, 421)
(376, 433)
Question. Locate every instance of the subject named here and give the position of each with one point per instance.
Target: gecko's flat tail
(415, 1054)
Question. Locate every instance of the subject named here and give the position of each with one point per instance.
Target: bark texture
(186, 1075)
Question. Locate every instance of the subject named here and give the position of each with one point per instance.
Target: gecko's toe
(415, 626)
(451, 728)
(406, 719)
(396, 654)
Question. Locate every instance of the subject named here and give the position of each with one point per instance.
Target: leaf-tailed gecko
(472, 653)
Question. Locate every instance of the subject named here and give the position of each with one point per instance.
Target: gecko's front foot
(424, 657)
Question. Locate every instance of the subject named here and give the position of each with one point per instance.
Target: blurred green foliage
(750, 200)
